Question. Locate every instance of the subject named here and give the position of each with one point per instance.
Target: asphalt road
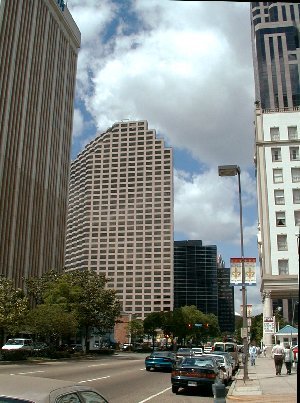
(121, 378)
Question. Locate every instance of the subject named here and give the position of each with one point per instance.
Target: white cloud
(78, 123)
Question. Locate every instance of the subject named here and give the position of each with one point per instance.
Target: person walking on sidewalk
(288, 359)
(252, 352)
(278, 354)
(265, 350)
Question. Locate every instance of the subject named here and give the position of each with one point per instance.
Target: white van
(228, 347)
(18, 344)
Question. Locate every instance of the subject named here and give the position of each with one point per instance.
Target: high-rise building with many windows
(276, 57)
(120, 218)
(39, 43)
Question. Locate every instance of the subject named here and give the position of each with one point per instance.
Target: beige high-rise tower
(39, 43)
(120, 219)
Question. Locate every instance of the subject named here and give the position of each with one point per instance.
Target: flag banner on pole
(236, 271)
(248, 311)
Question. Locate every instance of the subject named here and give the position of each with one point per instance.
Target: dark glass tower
(226, 317)
(195, 276)
(275, 41)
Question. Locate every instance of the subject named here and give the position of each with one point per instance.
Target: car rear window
(219, 347)
(4, 399)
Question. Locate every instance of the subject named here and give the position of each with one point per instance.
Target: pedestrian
(278, 354)
(265, 350)
(252, 352)
(288, 359)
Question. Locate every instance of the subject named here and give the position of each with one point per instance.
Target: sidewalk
(263, 385)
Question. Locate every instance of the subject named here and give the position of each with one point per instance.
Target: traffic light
(189, 325)
(206, 325)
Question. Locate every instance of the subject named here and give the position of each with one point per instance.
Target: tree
(152, 322)
(136, 329)
(13, 308)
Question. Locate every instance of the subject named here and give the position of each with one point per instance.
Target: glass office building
(195, 276)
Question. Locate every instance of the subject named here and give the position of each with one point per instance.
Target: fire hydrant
(219, 392)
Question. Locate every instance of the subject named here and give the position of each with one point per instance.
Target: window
(294, 153)
(277, 175)
(283, 266)
(274, 133)
(295, 174)
(280, 218)
(292, 133)
(282, 242)
(276, 154)
(279, 196)
(296, 196)
(297, 217)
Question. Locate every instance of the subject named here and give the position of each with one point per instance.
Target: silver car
(25, 389)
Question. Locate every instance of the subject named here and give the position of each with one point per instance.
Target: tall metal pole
(244, 297)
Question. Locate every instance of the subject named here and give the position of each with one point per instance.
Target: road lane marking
(96, 365)
(24, 373)
(95, 379)
(157, 394)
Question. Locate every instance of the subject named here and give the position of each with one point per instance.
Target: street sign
(243, 332)
(198, 325)
(269, 325)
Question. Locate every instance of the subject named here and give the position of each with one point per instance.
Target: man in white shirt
(278, 354)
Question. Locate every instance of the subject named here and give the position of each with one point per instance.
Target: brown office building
(39, 43)
(120, 218)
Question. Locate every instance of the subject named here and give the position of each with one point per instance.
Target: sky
(185, 67)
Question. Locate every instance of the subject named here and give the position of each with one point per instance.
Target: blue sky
(186, 67)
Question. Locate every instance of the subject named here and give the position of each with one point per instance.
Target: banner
(248, 310)
(236, 271)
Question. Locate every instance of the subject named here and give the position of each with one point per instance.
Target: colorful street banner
(248, 310)
(236, 271)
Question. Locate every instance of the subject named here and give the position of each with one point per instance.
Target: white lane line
(95, 379)
(24, 373)
(157, 394)
(96, 365)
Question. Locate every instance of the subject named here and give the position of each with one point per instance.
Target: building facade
(276, 57)
(39, 43)
(226, 313)
(120, 218)
(195, 276)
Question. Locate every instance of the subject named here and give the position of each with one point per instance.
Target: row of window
(276, 154)
(280, 199)
(281, 220)
(292, 133)
(278, 175)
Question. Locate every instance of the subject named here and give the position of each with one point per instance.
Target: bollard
(219, 392)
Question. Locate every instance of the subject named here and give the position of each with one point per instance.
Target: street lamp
(232, 170)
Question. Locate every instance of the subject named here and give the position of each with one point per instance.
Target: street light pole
(232, 170)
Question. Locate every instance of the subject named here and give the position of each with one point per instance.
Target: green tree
(135, 328)
(13, 308)
(152, 322)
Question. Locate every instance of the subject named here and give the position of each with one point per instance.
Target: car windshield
(194, 362)
(219, 347)
(14, 342)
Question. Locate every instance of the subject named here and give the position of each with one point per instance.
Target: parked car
(41, 390)
(228, 355)
(207, 349)
(39, 347)
(183, 352)
(18, 343)
(225, 367)
(75, 348)
(229, 347)
(197, 351)
(160, 360)
(195, 372)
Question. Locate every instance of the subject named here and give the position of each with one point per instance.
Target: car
(75, 348)
(226, 354)
(18, 343)
(30, 389)
(184, 352)
(39, 347)
(229, 347)
(195, 372)
(196, 351)
(160, 360)
(225, 367)
(207, 349)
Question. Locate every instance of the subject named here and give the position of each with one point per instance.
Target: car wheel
(148, 368)
(175, 389)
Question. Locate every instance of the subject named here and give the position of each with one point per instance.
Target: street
(120, 379)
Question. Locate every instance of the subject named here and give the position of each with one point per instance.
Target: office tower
(39, 43)
(120, 218)
(195, 276)
(226, 317)
(276, 56)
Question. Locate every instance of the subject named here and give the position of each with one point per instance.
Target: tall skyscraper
(276, 56)
(39, 43)
(195, 276)
(226, 317)
(120, 219)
